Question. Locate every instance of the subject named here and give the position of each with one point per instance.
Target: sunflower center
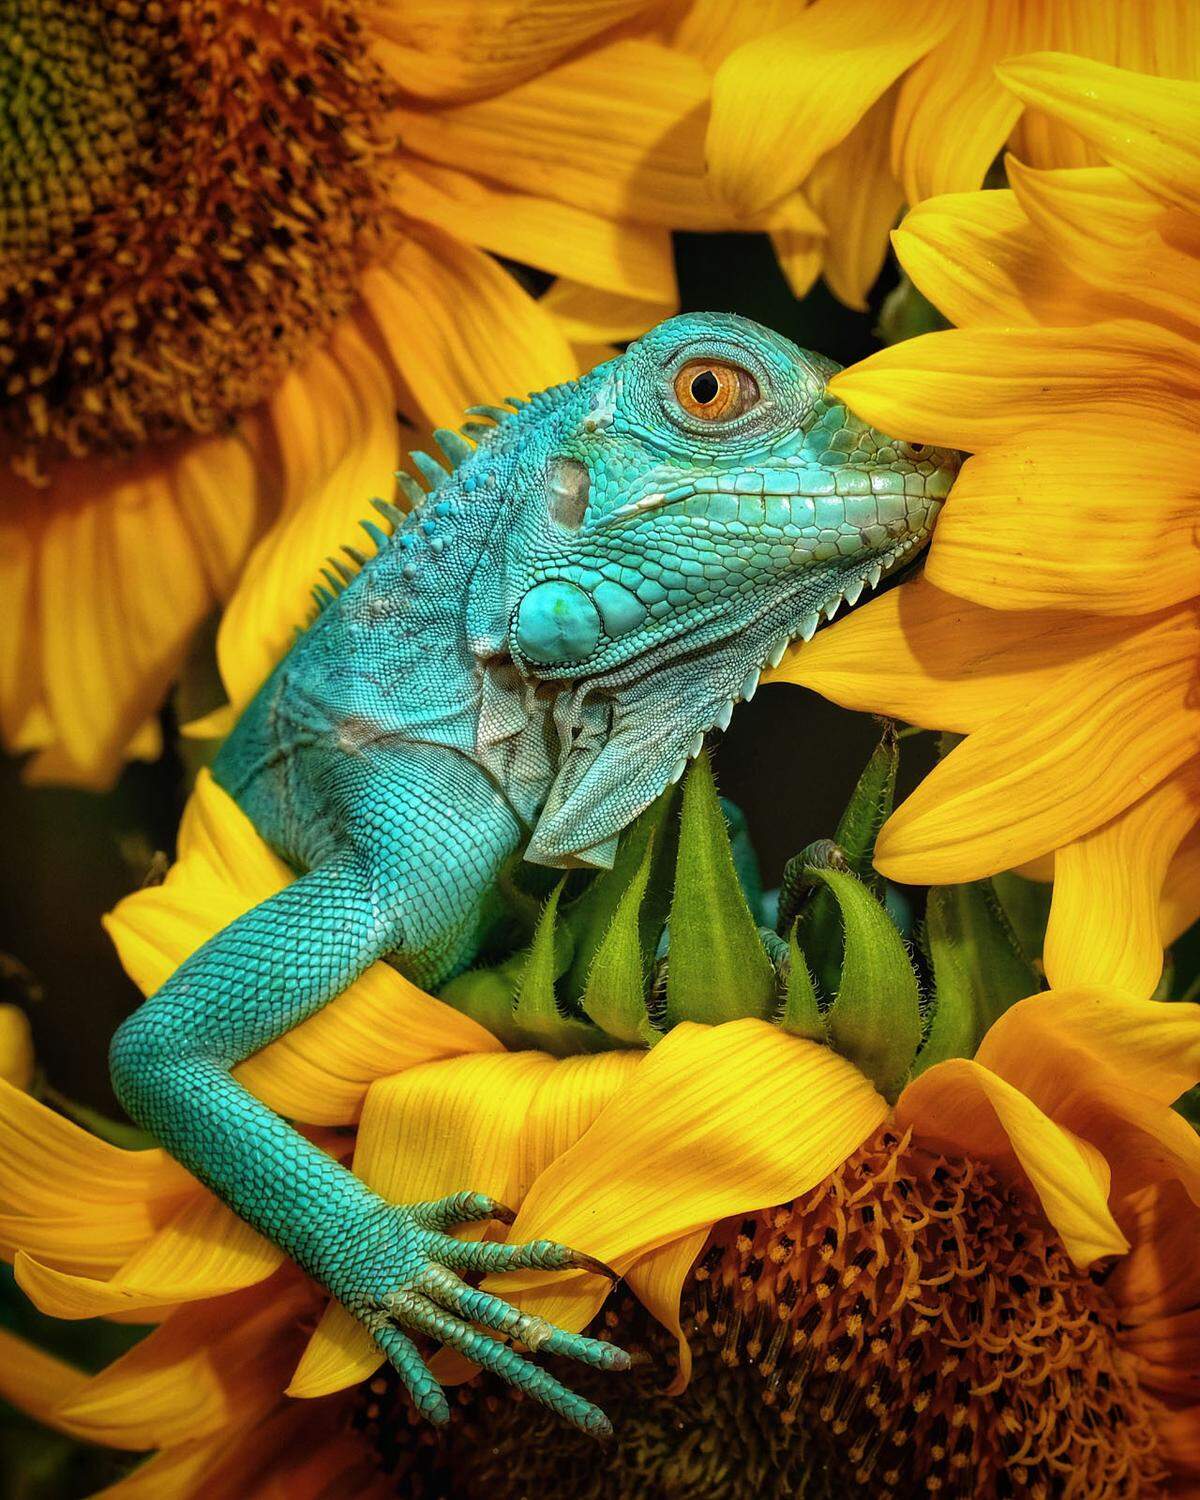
(187, 195)
(912, 1327)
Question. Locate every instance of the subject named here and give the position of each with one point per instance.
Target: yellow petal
(33, 1381)
(1147, 126)
(784, 98)
(1138, 257)
(16, 1047)
(629, 260)
(617, 131)
(319, 1071)
(215, 1365)
(336, 423)
(588, 315)
(967, 388)
(963, 1107)
(21, 690)
(655, 1281)
(1104, 926)
(1181, 897)
(977, 257)
(460, 329)
(800, 258)
(1027, 783)
(857, 197)
(204, 1251)
(1108, 1067)
(440, 51)
(339, 1354)
(955, 82)
(933, 659)
(1047, 522)
(48, 1164)
(715, 1121)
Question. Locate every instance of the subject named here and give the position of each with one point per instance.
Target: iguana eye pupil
(705, 387)
(713, 391)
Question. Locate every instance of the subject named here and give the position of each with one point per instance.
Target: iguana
(532, 655)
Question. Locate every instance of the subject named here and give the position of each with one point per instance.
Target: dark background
(789, 760)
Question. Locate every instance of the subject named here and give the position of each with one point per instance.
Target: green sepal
(536, 1011)
(978, 969)
(869, 807)
(717, 969)
(486, 995)
(852, 846)
(875, 1020)
(589, 918)
(615, 994)
(1025, 905)
(801, 1015)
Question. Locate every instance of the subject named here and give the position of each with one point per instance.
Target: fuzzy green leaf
(978, 969)
(801, 1014)
(615, 994)
(1025, 905)
(717, 969)
(536, 1010)
(876, 1019)
(487, 996)
(589, 918)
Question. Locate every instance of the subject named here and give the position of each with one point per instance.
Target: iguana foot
(429, 1298)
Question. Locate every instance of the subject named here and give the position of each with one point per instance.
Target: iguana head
(675, 519)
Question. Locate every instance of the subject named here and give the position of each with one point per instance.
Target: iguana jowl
(527, 661)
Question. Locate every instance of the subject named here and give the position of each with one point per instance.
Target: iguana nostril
(567, 487)
(557, 622)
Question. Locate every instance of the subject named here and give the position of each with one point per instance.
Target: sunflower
(1056, 623)
(236, 239)
(867, 104)
(988, 1282)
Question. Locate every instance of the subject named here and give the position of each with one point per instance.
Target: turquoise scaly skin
(532, 655)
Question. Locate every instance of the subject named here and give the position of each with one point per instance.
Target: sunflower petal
(460, 329)
(1050, 521)
(977, 257)
(967, 388)
(1107, 1067)
(784, 98)
(955, 81)
(588, 314)
(655, 1281)
(960, 1105)
(930, 658)
(214, 1365)
(336, 422)
(617, 131)
(35, 1382)
(339, 1354)
(1181, 897)
(1024, 784)
(857, 198)
(1146, 126)
(440, 51)
(657, 1165)
(1104, 926)
(625, 259)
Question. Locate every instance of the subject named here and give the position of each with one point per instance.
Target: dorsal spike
(334, 582)
(322, 596)
(516, 402)
(413, 492)
(359, 559)
(496, 413)
(340, 568)
(431, 471)
(388, 511)
(477, 431)
(453, 445)
(380, 538)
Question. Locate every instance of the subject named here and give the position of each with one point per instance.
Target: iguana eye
(713, 391)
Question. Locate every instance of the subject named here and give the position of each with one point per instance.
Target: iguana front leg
(393, 1267)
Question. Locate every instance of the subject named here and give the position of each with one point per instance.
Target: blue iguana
(532, 655)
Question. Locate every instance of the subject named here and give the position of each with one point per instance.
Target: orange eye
(715, 392)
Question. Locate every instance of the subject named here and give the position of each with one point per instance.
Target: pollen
(912, 1327)
(188, 194)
